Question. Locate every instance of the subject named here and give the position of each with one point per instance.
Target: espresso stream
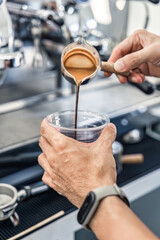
(80, 64)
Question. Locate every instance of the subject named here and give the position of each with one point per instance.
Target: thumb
(133, 60)
(108, 133)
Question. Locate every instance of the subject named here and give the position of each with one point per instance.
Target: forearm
(114, 220)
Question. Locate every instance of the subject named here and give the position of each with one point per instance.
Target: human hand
(139, 54)
(74, 168)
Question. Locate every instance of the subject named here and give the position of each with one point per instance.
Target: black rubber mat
(150, 148)
(35, 210)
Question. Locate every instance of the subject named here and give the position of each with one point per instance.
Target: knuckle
(61, 145)
(111, 133)
(153, 47)
(130, 60)
(64, 155)
(58, 187)
(55, 187)
(40, 140)
(44, 179)
(40, 158)
(52, 163)
(52, 160)
(43, 123)
(52, 175)
(117, 50)
(133, 61)
(139, 32)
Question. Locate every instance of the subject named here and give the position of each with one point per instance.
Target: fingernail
(136, 79)
(119, 66)
(133, 79)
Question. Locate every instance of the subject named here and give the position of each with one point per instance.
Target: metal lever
(11, 60)
(145, 87)
(154, 1)
(42, 14)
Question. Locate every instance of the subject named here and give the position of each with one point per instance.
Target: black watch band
(93, 199)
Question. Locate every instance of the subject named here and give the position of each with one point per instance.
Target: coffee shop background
(37, 88)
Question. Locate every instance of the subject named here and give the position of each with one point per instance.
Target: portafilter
(10, 198)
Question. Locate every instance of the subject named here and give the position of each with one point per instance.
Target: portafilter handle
(11, 60)
(28, 191)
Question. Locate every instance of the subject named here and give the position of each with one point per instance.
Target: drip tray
(35, 210)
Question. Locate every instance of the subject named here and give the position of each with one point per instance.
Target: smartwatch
(91, 202)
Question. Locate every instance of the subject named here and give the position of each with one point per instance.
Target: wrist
(97, 184)
(107, 207)
(93, 200)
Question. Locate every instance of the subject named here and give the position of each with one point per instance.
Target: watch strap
(110, 191)
(99, 194)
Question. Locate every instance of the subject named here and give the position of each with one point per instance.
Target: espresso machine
(38, 31)
(49, 26)
(9, 57)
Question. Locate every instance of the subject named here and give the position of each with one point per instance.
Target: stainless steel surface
(8, 58)
(6, 31)
(26, 11)
(38, 58)
(117, 152)
(28, 19)
(11, 60)
(39, 189)
(47, 18)
(8, 198)
(10, 192)
(152, 133)
(143, 185)
(2, 77)
(14, 219)
(6, 36)
(26, 122)
(26, 102)
(133, 136)
(21, 195)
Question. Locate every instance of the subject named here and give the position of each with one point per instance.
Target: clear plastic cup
(89, 125)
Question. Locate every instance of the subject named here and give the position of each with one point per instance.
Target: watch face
(86, 207)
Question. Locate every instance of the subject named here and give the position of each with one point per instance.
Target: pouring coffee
(80, 62)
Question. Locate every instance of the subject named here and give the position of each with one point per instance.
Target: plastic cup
(89, 125)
